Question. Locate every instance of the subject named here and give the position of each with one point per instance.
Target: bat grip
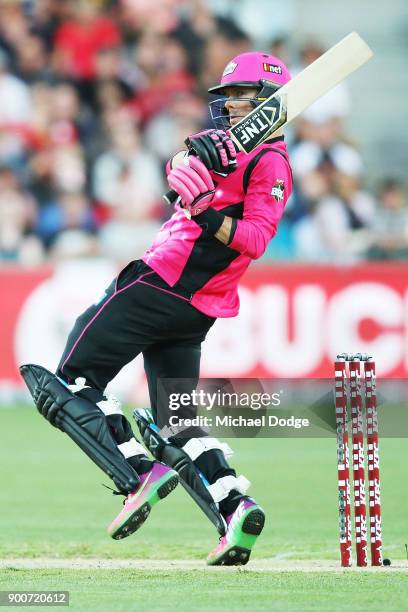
(170, 197)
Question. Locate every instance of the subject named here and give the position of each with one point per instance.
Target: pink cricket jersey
(199, 266)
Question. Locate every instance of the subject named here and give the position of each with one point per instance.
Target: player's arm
(268, 190)
(264, 203)
(269, 187)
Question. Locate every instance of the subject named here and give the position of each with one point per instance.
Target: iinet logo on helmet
(272, 68)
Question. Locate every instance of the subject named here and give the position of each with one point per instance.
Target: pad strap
(110, 405)
(131, 448)
(197, 446)
(80, 383)
(221, 488)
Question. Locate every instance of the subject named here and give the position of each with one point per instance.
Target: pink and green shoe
(155, 484)
(243, 528)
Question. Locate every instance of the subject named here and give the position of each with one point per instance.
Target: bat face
(298, 94)
(253, 129)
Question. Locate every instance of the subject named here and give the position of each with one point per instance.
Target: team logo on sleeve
(278, 190)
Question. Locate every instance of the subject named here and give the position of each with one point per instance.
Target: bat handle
(170, 197)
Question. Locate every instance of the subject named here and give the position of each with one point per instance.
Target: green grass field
(53, 506)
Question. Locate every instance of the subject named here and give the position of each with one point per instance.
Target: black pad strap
(176, 458)
(82, 421)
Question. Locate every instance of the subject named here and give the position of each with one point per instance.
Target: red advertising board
(293, 319)
(309, 314)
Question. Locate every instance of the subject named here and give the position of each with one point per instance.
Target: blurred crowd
(96, 95)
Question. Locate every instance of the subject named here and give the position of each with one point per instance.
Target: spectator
(45, 16)
(8, 179)
(65, 132)
(127, 183)
(14, 96)
(307, 155)
(185, 114)
(32, 60)
(70, 211)
(157, 16)
(15, 116)
(68, 167)
(163, 63)
(79, 39)
(125, 175)
(390, 235)
(340, 214)
(18, 243)
(39, 176)
(56, 168)
(69, 121)
(41, 95)
(64, 111)
(193, 31)
(14, 28)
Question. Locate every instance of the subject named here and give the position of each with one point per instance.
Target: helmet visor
(219, 113)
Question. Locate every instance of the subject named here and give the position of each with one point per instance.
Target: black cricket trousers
(139, 313)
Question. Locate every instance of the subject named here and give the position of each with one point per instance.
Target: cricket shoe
(243, 527)
(155, 484)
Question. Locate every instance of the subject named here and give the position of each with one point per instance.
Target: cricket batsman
(228, 208)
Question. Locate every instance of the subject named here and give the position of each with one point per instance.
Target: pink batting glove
(193, 182)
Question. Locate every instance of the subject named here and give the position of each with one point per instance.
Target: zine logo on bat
(260, 123)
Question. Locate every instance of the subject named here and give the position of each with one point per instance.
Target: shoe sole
(239, 555)
(136, 520)
(254, 523)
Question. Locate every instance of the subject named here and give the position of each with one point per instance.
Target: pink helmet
(250, 69)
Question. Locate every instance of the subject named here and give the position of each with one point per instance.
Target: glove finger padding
(194, 185)
(202, 171)
(215, 149)
(229, 145)
(192, 181)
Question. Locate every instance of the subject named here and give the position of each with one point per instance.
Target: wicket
(349, 383)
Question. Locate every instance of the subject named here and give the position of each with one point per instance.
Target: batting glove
(193, 182)
(215, 149)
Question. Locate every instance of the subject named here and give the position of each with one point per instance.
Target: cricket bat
(298, 94)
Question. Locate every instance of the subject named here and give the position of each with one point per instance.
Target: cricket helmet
(250, 69)
(257, 70)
